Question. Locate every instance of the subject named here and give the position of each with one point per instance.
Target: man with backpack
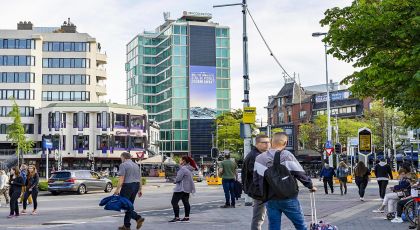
(251, 189)
(275, 173)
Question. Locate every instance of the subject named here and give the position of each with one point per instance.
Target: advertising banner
(203, 102)
(334, 96)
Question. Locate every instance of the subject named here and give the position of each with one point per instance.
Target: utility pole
(247, 127)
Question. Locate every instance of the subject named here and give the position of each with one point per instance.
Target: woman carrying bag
(342, 173)
(184, 186)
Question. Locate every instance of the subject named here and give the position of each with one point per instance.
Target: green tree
(16, 132)
(382, 39)
(314, 135)
(228, 131)
(384, 122)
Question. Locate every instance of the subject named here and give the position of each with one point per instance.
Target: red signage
(140, 155)
(329, 151)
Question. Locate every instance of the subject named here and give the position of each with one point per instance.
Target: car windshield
(60, 175)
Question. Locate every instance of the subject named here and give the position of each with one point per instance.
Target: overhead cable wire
(268, 47)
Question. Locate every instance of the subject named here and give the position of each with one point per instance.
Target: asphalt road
(68, 212)
(73, 208)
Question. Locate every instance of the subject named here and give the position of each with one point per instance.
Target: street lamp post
(317, 34)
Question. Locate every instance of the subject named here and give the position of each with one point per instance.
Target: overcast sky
(286, 24)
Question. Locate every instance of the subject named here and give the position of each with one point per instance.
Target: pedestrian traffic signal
(214, 152)
(337, 148)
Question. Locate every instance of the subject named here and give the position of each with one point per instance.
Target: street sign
(329, 151)
(249, 115)
(328, 145)
(140, 155)
(365, 141)
(47, 144)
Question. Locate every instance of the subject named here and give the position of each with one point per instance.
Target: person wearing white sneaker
(392, 198)
(362, 178)
(397, 220)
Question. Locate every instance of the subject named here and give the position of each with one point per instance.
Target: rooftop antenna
(166, 15)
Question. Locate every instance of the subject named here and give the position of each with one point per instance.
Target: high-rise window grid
(17, 60)
(17, 77)
(66, 46)
(11, 43)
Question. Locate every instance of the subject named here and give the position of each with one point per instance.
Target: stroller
(315, 225)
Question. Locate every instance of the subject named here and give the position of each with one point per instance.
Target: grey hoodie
(184, 180)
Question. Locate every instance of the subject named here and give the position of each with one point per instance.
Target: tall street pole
(247, 127)
(330, 159)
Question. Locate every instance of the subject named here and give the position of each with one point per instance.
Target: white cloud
(287, 26)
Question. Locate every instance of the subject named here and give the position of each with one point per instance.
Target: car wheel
(108, 188)
(82, 189)
(55, 193)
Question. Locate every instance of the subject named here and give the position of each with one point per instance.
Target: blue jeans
(291, 208)
(229, 189)
(129, 191)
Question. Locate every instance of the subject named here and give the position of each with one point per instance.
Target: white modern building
(57, 77)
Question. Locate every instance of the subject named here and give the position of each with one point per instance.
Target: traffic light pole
(247, 127)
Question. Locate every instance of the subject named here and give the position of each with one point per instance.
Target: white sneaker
(362, 199)
(378, 211)
(397, 220)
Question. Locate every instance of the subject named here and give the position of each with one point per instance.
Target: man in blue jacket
(129, 185)
(327, 174)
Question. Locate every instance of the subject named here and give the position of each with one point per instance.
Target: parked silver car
(80, 181)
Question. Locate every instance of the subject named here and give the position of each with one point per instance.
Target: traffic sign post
(329, 151)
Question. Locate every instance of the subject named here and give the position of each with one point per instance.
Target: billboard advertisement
(203, 102)
(334, 96)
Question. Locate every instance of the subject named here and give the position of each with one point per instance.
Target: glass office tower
(179, 72)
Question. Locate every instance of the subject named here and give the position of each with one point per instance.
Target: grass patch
(114, 181)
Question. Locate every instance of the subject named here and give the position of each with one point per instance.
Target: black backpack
(279, 183)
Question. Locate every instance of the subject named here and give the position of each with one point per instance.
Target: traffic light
(214, 153)
(56, 141)
(337, 148)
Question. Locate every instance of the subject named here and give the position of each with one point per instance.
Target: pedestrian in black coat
(16, 182)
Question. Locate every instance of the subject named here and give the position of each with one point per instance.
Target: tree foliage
(16, 132)
(381, 38)
(314, 135)
(228, 131)
(384, 121)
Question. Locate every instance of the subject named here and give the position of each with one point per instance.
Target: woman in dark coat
(16, 182)
(361, 172)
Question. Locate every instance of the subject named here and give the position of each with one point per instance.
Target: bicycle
(412, 211)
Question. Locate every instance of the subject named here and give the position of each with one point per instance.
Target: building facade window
(66, 46)
(11, 43)
(279, 102)
(81, 120)
(281, 117)
(29, 128)
(65, 79)
(17, 94)
(120, 121)
(65, 96)
(17, 77)
(103, 120)
(80, 142)
(302, 114)
(66, 63)
(25, 111)
(20, 60)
